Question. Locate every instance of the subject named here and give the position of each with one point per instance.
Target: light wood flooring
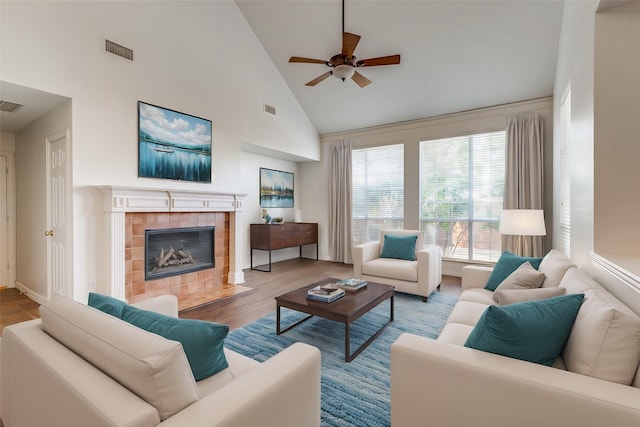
(233, 310)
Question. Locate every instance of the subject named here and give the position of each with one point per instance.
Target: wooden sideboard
(270, 237)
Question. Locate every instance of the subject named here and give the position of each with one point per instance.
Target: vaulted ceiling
(456, 55)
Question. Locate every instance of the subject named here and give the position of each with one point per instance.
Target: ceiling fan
(344, 64)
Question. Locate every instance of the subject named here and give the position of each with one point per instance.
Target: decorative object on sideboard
(522, 222)
(173, 145)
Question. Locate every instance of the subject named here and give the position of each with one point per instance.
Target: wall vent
(269, 109)
(118, 49)
(10, 107)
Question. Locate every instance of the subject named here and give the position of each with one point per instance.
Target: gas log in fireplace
(174, 251)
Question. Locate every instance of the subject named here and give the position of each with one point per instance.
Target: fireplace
(176, 251)
(130, 211)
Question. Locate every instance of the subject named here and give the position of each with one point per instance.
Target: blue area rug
(355, 393)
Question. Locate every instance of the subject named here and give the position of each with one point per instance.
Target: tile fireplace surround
(129, 211)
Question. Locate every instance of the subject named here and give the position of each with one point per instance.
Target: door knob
(48, 233)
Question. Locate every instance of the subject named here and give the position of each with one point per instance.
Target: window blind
(565, 173)
(462, 187)
(377, 191)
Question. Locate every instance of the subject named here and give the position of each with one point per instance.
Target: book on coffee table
(351, 285)
(324, 294)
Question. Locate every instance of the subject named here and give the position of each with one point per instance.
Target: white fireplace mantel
(120, 200)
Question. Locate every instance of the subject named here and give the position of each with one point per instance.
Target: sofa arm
(429, 269)
(283, 391)
(163, 304)
(362, 254)
(470, 387)
(475, 276)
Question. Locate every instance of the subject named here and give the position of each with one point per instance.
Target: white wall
(212, 67)
(617, 142)
(575, 68)
(604, 141)
(316, 175)
(251, 164)
(7, 142)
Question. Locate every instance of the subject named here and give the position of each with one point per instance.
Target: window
(377, 182)
(565, 173)
(462, 186)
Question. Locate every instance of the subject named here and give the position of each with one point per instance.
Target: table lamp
(522, 222)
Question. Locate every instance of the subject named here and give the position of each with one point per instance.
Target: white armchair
(419, 277)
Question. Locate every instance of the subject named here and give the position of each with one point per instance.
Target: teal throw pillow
(507, 264)
(535, 331)
(109, 305)
(399, 247)
(202, 341)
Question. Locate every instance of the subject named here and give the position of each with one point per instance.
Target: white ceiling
(35, 105)
(456, 55)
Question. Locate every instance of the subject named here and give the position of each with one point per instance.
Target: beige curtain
(340, 203)
(524, 177)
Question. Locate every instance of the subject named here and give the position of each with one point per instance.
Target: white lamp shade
(523, 222)
(344, 71)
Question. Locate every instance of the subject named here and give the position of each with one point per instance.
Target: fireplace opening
(174, 251)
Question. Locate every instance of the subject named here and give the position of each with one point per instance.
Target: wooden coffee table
(345, 310)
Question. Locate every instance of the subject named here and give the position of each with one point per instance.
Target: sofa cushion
(154, 368)
(605, 340)
(466, 313)
(507, 264)
(575, 282)
(523, 277)
(392, 268)
(554, 265)
(399, 247)
(534, 331)
(512, 296)
(481, 295)
(202, 341)
(455, 333)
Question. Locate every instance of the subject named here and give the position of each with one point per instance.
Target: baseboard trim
(33, 295)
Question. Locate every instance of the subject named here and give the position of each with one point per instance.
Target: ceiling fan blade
(383, 60)
(307, 60)
(361, 80)
(318, 79)
(349, 43)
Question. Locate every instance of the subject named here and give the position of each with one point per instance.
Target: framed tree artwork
(276, 188)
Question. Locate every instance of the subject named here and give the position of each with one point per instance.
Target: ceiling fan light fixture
(343, 71)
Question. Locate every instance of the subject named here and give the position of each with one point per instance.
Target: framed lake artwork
(276, 189)
(173, 145)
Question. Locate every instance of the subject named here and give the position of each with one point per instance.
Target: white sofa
(47, 383)
(419, 277)
(446, 384)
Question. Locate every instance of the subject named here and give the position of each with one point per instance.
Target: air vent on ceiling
(270, 109)
(118, 49)
(10, 107)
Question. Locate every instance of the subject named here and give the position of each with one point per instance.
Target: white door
(58, 233)
(4, 216)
